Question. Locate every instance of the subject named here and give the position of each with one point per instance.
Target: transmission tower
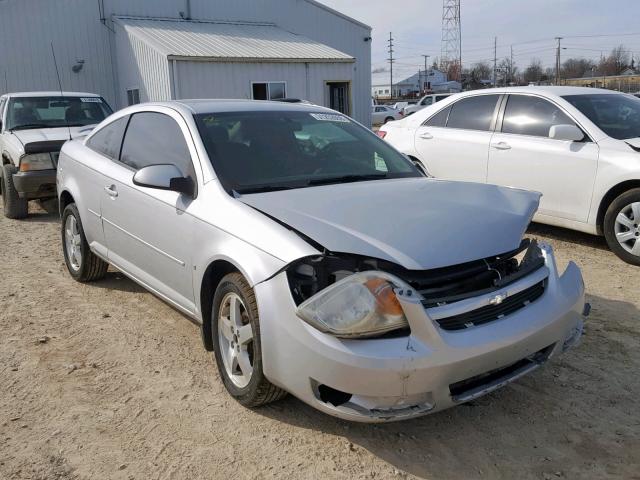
(451, 52)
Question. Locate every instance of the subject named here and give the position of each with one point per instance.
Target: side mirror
(164, 177)
(566, 132)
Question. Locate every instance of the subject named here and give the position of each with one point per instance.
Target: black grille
(493, 312)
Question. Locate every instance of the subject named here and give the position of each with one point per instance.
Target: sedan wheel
(627, 228)
(237, 343)
(622, 226)
(235, 337)
(73, 243)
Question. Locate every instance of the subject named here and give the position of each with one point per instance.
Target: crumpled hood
(418, 223)
(49, 134)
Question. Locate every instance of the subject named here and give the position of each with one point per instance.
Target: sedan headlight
(36, 161)
(361, 305)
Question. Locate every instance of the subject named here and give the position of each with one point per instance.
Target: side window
(2, 102)
(108, 139)
(441, 97)
(154, 138)
(133, 96)
(473, 113)
(427, 101)
(439, 119)
(527, 115)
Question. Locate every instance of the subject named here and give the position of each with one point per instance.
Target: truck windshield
(51, 112)
(616, 114)
(275, 150)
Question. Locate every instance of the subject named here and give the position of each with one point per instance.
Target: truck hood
(418, 223)
(51, 134)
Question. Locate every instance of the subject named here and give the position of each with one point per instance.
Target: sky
(529, 26)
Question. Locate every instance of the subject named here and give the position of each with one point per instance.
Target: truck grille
(491, 313)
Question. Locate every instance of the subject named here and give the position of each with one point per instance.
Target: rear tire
(82, 263)
(14, 206)
(388, 119)
(237, 347)
(622, 226)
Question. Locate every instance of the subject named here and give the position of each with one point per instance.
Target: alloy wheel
(73, 242)
(627, 228)
(235, 336)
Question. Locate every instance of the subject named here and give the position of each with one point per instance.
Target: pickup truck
(33, 128)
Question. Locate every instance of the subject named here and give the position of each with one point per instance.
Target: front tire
(236, 343)
(622, 226)
(14, 206)
(82, 263)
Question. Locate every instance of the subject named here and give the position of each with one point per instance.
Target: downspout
(175, 90)
(307, 85)
(188, 10)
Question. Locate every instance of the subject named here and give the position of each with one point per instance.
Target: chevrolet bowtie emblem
(498, 299)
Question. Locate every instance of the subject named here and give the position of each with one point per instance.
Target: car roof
(197, 106)
(51, 94)
(555, 91)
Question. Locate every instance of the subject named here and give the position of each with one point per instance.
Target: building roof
(228, 41)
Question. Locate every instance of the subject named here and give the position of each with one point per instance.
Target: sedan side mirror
(164, 177)
(566, 132)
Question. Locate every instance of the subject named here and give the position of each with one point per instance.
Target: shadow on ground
(566, 235)
(551, 422)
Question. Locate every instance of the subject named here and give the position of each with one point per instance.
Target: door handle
(111, 191)
(501, 146)
(426, 136)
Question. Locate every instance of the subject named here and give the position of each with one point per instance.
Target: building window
(133, 96)
(269, 90)
(386, 91)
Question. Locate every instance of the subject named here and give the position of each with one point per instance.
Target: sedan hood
(51, 134)
(417, 223)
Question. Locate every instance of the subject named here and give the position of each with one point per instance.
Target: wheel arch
(609, 197)
(65, 199)
(211, 278)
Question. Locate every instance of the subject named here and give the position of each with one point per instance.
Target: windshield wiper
(29, 125)
(347, 179)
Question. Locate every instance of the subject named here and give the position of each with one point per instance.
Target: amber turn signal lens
(385, 296)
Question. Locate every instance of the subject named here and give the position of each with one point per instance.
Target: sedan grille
(491, 313)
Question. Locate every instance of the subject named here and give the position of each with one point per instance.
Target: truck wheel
(622, 226)
(14, 206)
(236, 343)
(82, 263)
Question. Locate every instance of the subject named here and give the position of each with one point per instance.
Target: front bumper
(429, 370)
(35, 184)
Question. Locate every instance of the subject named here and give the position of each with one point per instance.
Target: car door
(103, 149)
(378, 114)
(148, 231)
(454, 142)
(522, 155)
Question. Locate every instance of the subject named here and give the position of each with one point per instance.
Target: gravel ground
(105, 381)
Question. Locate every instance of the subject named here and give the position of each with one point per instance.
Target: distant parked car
(579, 147)
(381, 114)
(425, 102)
(316, 258)
(33, 127)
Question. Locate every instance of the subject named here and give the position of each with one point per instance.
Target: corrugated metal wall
(28, 26)
(233, 80)
(140, 66)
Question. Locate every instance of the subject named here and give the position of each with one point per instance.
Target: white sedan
(579, 147)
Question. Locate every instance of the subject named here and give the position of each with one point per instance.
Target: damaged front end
(310, 276)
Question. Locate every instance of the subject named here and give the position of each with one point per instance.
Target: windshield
(262, 151)
(616, 114)
(51, 112)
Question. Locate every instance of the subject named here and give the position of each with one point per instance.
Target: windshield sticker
(328, 117)
(91, 100)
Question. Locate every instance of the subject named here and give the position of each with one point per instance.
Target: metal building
(145, 50)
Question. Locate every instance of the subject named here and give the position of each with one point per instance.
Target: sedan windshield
(616, 114)
(51, 112)
(263, 151)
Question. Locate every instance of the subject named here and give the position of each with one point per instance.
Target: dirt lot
(105, 381)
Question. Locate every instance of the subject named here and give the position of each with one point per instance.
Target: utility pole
(391, 64)
(558, 61)
(426, 72)
(511, 66)
(495, 61)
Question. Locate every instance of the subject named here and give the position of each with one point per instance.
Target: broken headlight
(361, 305)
